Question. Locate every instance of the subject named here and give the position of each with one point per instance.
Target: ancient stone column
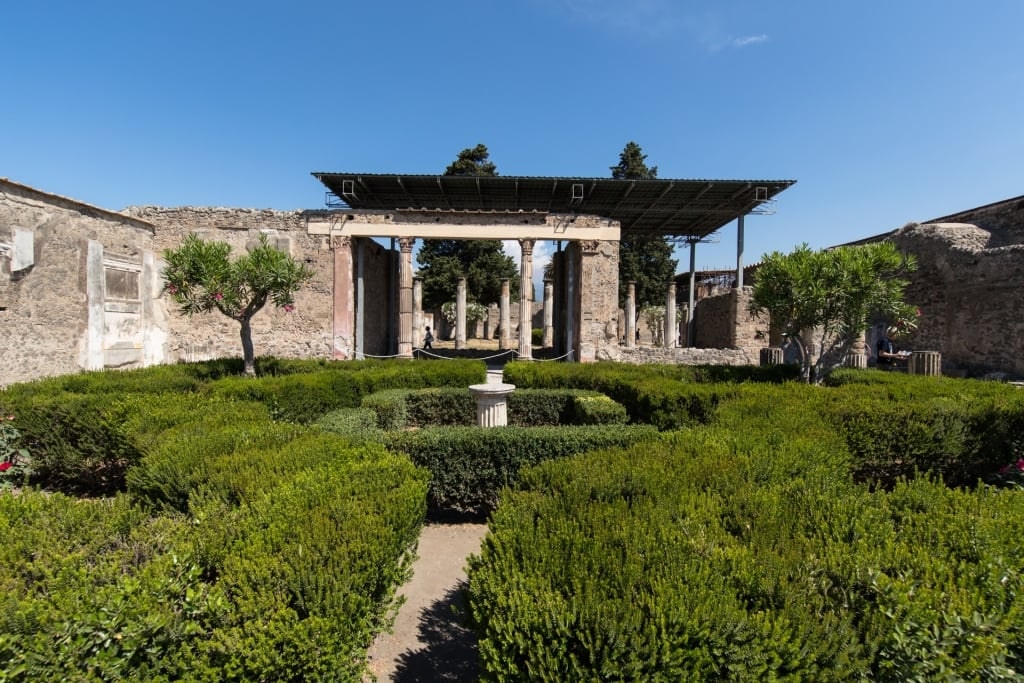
(344, 298)
(858, 355)
(505, 333)
(405, 297)
(549, 314)
(671, 329)
(491, 404)
(771, 355)
(925, 363)
(525, 289)
(460, 314)
(417, 310)
(631, 315)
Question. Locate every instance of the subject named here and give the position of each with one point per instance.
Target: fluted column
(525, 288)
(671, 328)
(460, 314)
(549, 314)
(505, 333)
(417, 310)
(631, 315)
(405, 296)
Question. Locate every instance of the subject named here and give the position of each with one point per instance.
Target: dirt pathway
(430, 641)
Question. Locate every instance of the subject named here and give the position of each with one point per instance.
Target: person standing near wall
(888, 356)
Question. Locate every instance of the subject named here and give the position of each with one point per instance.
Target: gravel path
(429, 641)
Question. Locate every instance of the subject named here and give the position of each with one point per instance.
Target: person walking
(428, 339)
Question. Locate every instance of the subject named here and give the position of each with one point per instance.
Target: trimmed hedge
(469, 466)
(450, 406)
(701, 558)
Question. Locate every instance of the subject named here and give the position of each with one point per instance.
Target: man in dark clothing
(888, 356)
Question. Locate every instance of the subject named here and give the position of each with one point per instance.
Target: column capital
(590, 246)
(405, 244)
(527, 246)
(341, 242)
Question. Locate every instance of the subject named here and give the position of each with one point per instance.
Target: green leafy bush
(357, 425)
(598, 409)
(470, 465)
(696, 559)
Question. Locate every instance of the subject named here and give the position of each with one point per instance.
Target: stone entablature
(498, 225)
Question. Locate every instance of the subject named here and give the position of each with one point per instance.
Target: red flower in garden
(1020, 464)
(288, 308)
(172, 289)
(218, 296)
(4, 466)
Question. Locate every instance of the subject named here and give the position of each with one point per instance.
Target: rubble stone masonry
(304, 333)
(45, 246)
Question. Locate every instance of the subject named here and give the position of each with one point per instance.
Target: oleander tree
(200, 277)
(824, 301)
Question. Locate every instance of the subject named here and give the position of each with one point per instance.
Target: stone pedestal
(771, 356)
(492, 403)
(925, 363)
(857, 360)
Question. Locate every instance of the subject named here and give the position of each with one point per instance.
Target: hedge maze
(655, 523)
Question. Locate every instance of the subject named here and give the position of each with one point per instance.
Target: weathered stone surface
(969, 292)
(43, 300)
(691, 356)
(307, 332)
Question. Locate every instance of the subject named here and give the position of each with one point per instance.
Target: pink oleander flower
(4, 466)
(1020, 465)
(218, 296)
(288, 308)
(172, 289)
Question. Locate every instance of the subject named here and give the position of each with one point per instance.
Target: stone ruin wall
(44, 280)
(723, 321)
(596, 318)
(304, 333)
(969, 293)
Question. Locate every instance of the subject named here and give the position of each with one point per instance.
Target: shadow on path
(450, 650)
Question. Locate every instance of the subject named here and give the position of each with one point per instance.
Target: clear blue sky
(883, 112)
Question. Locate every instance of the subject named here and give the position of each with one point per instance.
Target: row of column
(410, 309)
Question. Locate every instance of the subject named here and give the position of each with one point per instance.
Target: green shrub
(311, 578)
(686, 560)
(96, 590)
(597, 409)
(357, 425)
(390, 406)
(537, 336)
(469, 465)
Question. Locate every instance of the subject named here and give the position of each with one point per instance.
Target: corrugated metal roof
(668, 207)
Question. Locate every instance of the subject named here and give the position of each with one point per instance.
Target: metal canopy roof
(674, 208)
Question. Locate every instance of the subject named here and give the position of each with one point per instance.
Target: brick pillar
(525, 317)
(405, 296)
(344, 299)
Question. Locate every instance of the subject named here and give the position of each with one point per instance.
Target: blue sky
(883, 112)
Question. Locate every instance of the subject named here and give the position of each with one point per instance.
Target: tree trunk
(248, 355)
